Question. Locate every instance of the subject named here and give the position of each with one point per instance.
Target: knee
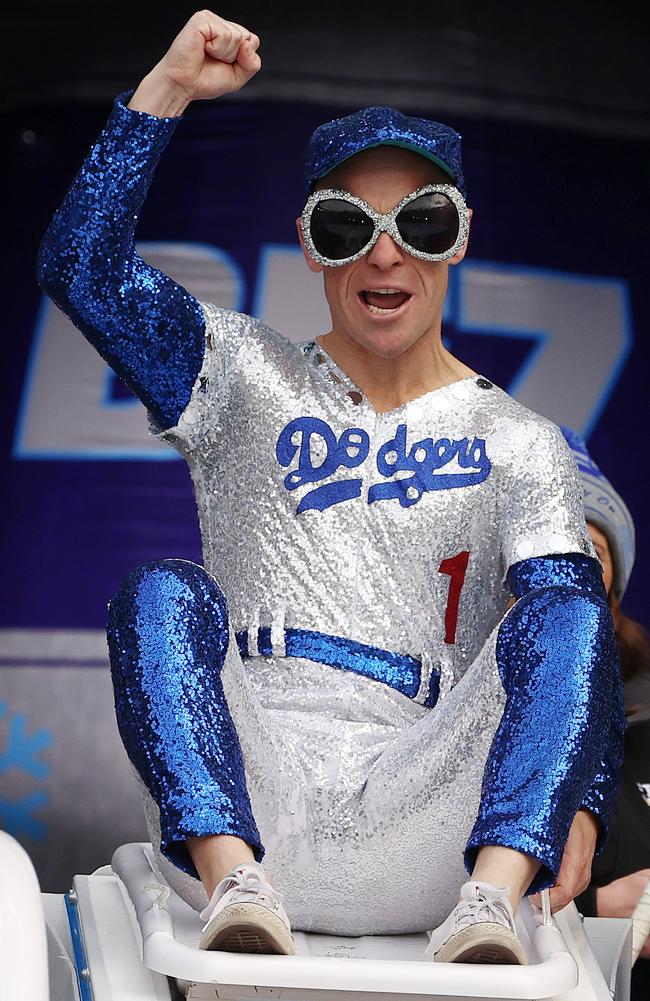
(156, 592)
(557, 626)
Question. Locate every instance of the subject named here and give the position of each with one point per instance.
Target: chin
(386, 345)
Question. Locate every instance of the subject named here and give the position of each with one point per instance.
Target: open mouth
(384, 301)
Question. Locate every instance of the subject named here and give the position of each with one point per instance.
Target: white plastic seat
(131, 939)
(167, 932)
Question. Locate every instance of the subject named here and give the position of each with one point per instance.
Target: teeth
(381, 310)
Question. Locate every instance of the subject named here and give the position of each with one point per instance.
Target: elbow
(54, 265)
(49, 266)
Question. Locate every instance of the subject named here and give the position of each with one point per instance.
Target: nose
(385, 254)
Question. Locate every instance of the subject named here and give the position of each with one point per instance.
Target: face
(599, 540)
(382, 177)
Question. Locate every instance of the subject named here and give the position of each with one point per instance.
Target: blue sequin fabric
(168, 635)
(335, 141)
(400, 672)
(148, 328)
(582, 574)
(571, 570)
(557, 658)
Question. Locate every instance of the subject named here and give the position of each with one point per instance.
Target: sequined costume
(342, 687)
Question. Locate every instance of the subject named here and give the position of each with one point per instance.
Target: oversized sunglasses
(431, 223)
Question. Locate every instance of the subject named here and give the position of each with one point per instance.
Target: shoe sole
(248, 928)
(484, 943)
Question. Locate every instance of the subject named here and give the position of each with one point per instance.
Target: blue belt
(398, 670)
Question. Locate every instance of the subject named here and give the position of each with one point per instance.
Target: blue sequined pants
(363, 799)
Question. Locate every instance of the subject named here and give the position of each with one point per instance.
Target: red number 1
(456, 567)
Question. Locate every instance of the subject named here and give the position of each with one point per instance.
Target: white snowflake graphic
(22, 752)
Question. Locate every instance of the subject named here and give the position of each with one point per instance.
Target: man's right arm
(149, 329)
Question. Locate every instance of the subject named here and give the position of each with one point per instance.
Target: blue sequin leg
(168, 637)
(582, 573)
(555, 652)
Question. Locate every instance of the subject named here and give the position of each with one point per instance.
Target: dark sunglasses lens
(339, 229)
(429, 223)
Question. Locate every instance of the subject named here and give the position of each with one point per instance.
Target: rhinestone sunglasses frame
(385, 223)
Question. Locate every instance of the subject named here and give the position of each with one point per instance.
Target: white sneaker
(480, 929)
(245, 914)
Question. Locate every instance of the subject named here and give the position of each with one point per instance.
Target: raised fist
(208, 58)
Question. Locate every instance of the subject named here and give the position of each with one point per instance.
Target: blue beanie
(607, 510)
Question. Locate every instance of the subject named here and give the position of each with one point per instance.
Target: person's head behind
(611, 529)
(631, 637)
(387, 298)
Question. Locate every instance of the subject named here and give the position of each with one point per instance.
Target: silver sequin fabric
(364, 800)
(354, 785)
(379, 572)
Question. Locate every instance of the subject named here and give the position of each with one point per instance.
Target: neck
(390, 382)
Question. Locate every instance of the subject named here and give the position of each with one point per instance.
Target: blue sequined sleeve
(147, 328)
(575, 572)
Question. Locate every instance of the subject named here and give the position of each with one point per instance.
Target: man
(354, 699)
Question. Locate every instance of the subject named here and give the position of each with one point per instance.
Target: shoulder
(236, 342)
(520, 432)
(231, 321)
(239, 334)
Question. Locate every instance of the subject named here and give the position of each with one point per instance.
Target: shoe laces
(486, 905)
(251, 885)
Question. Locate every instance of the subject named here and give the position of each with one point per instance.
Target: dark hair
(633, 642)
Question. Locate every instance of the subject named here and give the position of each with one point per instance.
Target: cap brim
(401, 144)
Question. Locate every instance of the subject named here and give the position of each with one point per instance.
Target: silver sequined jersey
(393, 529)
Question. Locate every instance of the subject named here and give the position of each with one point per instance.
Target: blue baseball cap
(336, 141)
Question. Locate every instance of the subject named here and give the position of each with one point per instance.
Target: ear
(457, 258)
(311, 264)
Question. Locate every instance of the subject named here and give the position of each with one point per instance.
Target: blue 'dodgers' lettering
(310, 437)
(320, 454)
(424, 460)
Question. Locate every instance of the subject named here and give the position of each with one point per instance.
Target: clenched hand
(209, 57)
